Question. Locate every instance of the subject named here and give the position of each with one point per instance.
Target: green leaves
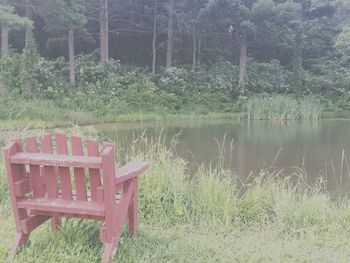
(342, 42)
(60, 15)
(11, 20)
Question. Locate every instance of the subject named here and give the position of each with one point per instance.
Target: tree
(29, 29)
(154, 39)
(192, 25)
(170, 41)
(104, 31)
(234, 16)
(64, 17)
(9, 21)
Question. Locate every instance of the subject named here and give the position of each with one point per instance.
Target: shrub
(267, 77)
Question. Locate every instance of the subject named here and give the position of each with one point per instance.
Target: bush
(268, 77)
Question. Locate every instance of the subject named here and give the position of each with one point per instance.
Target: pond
(321, 148)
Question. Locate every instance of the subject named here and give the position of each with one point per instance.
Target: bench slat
(63, 206)
(95, 177)
(79, 174)
(66, 183)
(56, 160)
(34, 170)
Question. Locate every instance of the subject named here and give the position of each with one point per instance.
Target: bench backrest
(59, 167)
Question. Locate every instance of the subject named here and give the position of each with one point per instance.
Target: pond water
(321, 148)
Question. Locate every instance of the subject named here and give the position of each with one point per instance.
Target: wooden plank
(71, 215)
(51, 178)
(46, 148)
(94, 174)
(130, 170)
(32, 222)
(108, 168)
(36, 180)
(49, 170)
(63, 206)
(15, 173)
(46, 144)
(122, 209)
(51, 182)
(22, 187)
(100, 194)
(64, 173)
(79, 174)
(133, 207)
(56, 160)
(103, 233)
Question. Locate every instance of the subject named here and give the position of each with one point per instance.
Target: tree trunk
(2, 88)
(154, 40)
(194, 55)
(4, 41)
(169, 52)
(71, 56)
(199, 50)
(104, 31)
(28, 86)
(297, 62)
(29, 15)
(242, 62)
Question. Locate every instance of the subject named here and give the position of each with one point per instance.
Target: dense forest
(130, 55)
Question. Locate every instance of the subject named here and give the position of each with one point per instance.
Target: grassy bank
(20, 113)
(207, 217)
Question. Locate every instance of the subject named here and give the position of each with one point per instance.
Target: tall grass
(282, 107)
(203, 217)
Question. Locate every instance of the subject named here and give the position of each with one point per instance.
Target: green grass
(205, 217)
(22, 113)
(283, 107)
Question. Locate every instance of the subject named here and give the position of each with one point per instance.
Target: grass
(205, 217)
(22, 113)
(282, 107)
(16, 112)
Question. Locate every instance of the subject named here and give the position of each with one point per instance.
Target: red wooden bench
(42, 188)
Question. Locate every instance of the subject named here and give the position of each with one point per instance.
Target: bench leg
(109, 250)
(55, 223)
(20, 240)
(132, 211)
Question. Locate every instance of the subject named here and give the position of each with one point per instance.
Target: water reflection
(320, 148)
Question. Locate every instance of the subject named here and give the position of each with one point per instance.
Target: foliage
(12, 20)
(111, 90)
(343, 41)
(268, 78)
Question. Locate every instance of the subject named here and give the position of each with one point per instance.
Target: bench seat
(74, 207)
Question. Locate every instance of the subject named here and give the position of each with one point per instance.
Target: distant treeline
(303, 45)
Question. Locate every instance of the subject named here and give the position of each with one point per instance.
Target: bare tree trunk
(104, 31)
(169, 52)
(242, 61)
(4, 41)
(199, 50)
(71, 56)
(29, 29)
(2, 88)
(194, 55)
(154, 41)
(28, 86)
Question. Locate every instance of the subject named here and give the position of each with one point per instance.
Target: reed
(283, 107)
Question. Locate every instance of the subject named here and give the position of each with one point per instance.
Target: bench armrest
(130, 170)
